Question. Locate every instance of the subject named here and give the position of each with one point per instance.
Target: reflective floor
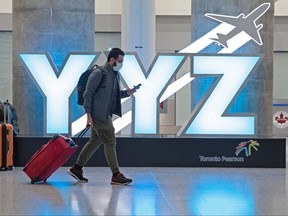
(155, 191)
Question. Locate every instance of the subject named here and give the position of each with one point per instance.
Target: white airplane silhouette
(241, 23)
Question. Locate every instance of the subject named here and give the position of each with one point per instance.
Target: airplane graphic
(241, 23)
(194, 47)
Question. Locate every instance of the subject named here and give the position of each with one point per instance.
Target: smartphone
(135, 88)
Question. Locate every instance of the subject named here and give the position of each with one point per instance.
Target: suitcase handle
(68, 140)
(5, 118)
(82, 133)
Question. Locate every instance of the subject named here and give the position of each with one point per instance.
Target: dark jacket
(98, 100)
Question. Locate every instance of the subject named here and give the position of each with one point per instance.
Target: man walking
(100, 103)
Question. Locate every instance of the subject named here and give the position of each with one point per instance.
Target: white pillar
(138, 29)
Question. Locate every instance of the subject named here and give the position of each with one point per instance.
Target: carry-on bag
(10, 116)
(6, 143)
(6, 146)
(50, 157)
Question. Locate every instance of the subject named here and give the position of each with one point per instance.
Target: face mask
(118, 66)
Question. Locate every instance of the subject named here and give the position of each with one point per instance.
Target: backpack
(11, 116)
(82, 82)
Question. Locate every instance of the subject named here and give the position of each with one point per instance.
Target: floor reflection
(154, 191)
(222, 196)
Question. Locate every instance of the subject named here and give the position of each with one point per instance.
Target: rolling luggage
(10, 116)
(6, 146)
(50, 157)
(6, 143)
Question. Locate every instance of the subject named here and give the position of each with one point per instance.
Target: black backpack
(82, 82)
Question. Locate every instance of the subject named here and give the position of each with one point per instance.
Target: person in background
(100, 103)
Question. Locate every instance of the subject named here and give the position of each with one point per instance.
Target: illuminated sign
(230, 72)
(246, 24)
(154, 83)
(57, 86)
(232, 33)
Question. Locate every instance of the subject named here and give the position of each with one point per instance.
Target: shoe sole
(117, 183)
(74, 176)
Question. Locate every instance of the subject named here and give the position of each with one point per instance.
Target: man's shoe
(77, 174)
(120, 179)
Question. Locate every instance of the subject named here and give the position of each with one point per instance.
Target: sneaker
(120, 179)
(77, 174)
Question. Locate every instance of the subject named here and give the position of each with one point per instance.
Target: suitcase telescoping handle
(80, 135)
(4, 113)
(69, 140)
(83, 132)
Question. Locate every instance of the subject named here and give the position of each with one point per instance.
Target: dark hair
(114, 53)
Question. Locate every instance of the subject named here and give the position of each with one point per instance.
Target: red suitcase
(49, 158)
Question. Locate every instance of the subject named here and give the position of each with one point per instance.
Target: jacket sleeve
(92, 84)
(124, 94)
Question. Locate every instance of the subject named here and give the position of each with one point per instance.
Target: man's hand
(130, 91)
(89, 119)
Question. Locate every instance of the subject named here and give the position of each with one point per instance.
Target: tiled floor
(155, 191)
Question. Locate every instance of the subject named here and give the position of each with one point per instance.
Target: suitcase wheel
(34, 179)
(10, 168)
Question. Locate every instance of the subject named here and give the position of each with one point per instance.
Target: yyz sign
(231, 73)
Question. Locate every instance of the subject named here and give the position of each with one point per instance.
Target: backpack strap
(102, 78)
